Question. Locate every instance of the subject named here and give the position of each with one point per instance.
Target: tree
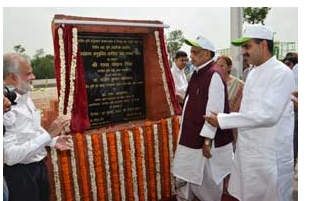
(43, 65)
(255, 15)
(39, 53)
(19, 49)
(174, 43)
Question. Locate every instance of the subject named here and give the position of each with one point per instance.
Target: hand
(213, 120)
(63, 143)
(58, 125)
(295, 100)
(206, 151)
(6, 105)
(180, 98)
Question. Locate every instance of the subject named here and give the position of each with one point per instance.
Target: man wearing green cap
(263, 161)
(204, 153)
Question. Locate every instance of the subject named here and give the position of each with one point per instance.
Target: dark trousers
(296, 139)
(28, 182)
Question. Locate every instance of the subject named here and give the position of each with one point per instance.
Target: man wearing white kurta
(204, 153)
(179, 77)
(263, 161)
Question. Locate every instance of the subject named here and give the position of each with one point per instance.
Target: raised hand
(63, 143)
(58, 125)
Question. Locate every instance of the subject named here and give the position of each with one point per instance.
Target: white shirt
(180, 79)
(189, 163)
(263, 161)
(25, 139)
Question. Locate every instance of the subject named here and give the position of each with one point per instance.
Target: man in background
(179, 77)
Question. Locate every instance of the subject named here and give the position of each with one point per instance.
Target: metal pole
(236, 32)
(130, 24)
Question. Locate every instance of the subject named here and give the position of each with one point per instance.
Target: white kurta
(180, 80)
(189, 163)
(263, 161)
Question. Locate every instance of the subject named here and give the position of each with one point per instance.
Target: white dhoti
(208, 191)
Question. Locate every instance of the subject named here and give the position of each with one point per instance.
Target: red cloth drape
(79, 120)
(168, 74)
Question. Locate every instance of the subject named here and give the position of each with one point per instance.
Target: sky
(31, 27)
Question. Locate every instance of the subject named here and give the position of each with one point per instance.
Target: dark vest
(193, 121)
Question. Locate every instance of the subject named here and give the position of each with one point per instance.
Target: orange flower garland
(98, 168)
(128, 168)
(139, 164)
(66, 176)
(113, 165)
(151, 162)
(176, 131)
(83, 168)
(165, 158)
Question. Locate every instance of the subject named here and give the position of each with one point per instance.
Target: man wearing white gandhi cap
(204, 153)
(263, 160)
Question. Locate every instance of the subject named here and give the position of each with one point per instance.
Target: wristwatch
(207, 142)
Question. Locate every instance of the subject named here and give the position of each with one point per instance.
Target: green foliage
(255, 15)
(43, 66)
(174, 43)
(19, 49)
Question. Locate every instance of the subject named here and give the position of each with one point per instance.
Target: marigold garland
(113, 165)
(128, 167)
(175, 131)
(98, 168)
(151, 163)
(83, 169)
(165, 158)
(66, 176)
(139, 163)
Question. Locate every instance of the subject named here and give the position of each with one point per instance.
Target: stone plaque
(114, 75)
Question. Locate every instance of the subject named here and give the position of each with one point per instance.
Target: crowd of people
(236, 137)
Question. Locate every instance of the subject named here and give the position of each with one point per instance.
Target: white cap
(201, 42)
(254, 31)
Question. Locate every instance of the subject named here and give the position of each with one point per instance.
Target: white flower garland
(69, 105)
(56, 175)
(121, 166)
(107, 168)
(91, 166)
(133, 165)
(156, 141)
(143, 164)
(62, 73)
(162, 69)
(72, 73)
(74, 171)
(170, 134)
